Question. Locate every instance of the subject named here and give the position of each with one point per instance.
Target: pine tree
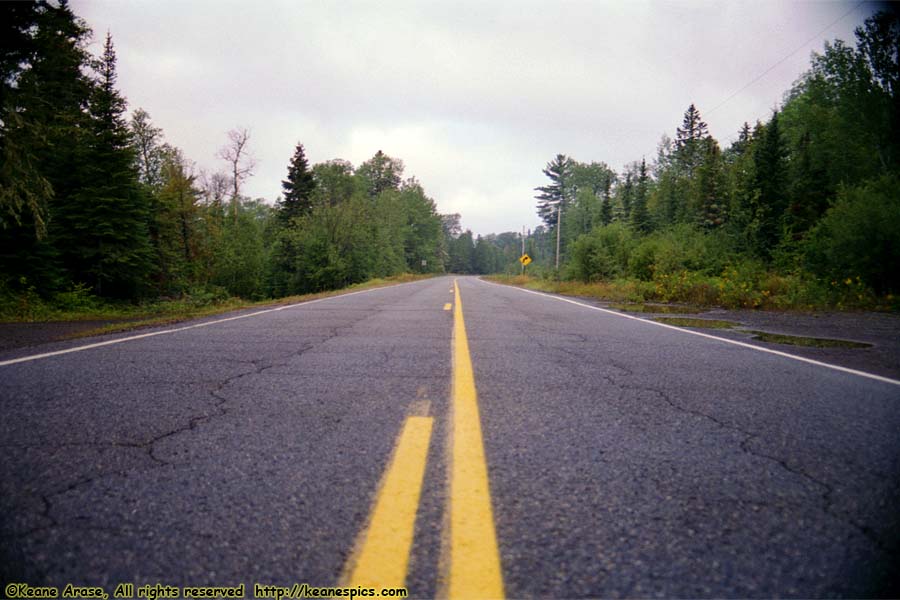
(606, 202)
(640, 217)
(711, 187)
(381, 173)
(298, 188)
(770, 159)
(689, 141)
(42, 136)
(557, 192)
(102, 232)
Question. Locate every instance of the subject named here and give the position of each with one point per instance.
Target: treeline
(813, 193)
(95, 203)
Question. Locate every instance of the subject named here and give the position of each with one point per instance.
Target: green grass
(698, 323)
(124, 317)
(734, 288)
(809, 342)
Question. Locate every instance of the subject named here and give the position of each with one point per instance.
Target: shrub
(601, 254)
(859, 237)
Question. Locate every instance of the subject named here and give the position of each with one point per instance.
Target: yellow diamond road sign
(524, 259)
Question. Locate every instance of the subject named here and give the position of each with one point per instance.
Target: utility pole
(558, 229)
(523, 248)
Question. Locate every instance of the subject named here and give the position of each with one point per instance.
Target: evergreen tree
(298, 188)
(689, 141)
(559, 170)
(626, 195)
(380, 173)
(640, 217)
(101, 230)
(770, 201)
(44, 132)
(808, 191)
(711, 186)
(606, 203)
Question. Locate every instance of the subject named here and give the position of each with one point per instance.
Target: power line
(798, 49)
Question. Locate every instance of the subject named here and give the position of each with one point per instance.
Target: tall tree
(689, 141)
(381, 173)
(236, 152)
(298, 188)
(770, 181)
(640, 216)
(44, 130)
(102, 234)
(878, 41)
(557, 192)
(710, 186)
(149, 148)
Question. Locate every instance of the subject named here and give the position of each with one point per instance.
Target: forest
(96, 206)
(800, 210)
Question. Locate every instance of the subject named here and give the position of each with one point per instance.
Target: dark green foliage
(711, 187)
(640, 217)
(298, 188)
(689, 150)
(602, 254)
(557, 192)
(860, 237)
(102, 232)
(770, 182)
(381, 173)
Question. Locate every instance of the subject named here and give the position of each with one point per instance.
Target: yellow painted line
(474, 569)
(447, 306)
(383, 556)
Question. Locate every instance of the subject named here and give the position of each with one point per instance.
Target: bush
(601, 254)
(680, 248)
(859, 237)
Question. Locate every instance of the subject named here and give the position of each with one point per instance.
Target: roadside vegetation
(799, 212)
(100, 217)
(80, 305)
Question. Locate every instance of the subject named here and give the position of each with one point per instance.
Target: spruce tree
(298, 188)
(711, 186)
(640, 217)
(770, 183)
(606, 202)
(101, 229)
(689, 141)
(45, 91)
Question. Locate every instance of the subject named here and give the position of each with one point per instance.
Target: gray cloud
(475, 97)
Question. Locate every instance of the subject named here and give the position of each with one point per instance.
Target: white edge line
(705, 335)
(31, 357)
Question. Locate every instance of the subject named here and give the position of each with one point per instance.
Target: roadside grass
(809, 342)
(126, 317)
(734, 288)
(697, 323)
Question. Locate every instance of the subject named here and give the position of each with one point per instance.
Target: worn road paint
(383, 556)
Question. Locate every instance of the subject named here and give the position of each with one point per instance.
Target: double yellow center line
(383, 551)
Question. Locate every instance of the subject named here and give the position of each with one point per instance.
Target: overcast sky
(474, 97)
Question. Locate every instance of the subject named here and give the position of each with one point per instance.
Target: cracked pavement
(625, 460)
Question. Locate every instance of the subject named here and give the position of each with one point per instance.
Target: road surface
(467, 438)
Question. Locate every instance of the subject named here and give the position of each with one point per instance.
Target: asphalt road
(624, 459)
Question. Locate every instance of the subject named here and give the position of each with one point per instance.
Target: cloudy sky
(474, 97)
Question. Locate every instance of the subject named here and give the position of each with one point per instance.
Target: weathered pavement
(625, 459)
